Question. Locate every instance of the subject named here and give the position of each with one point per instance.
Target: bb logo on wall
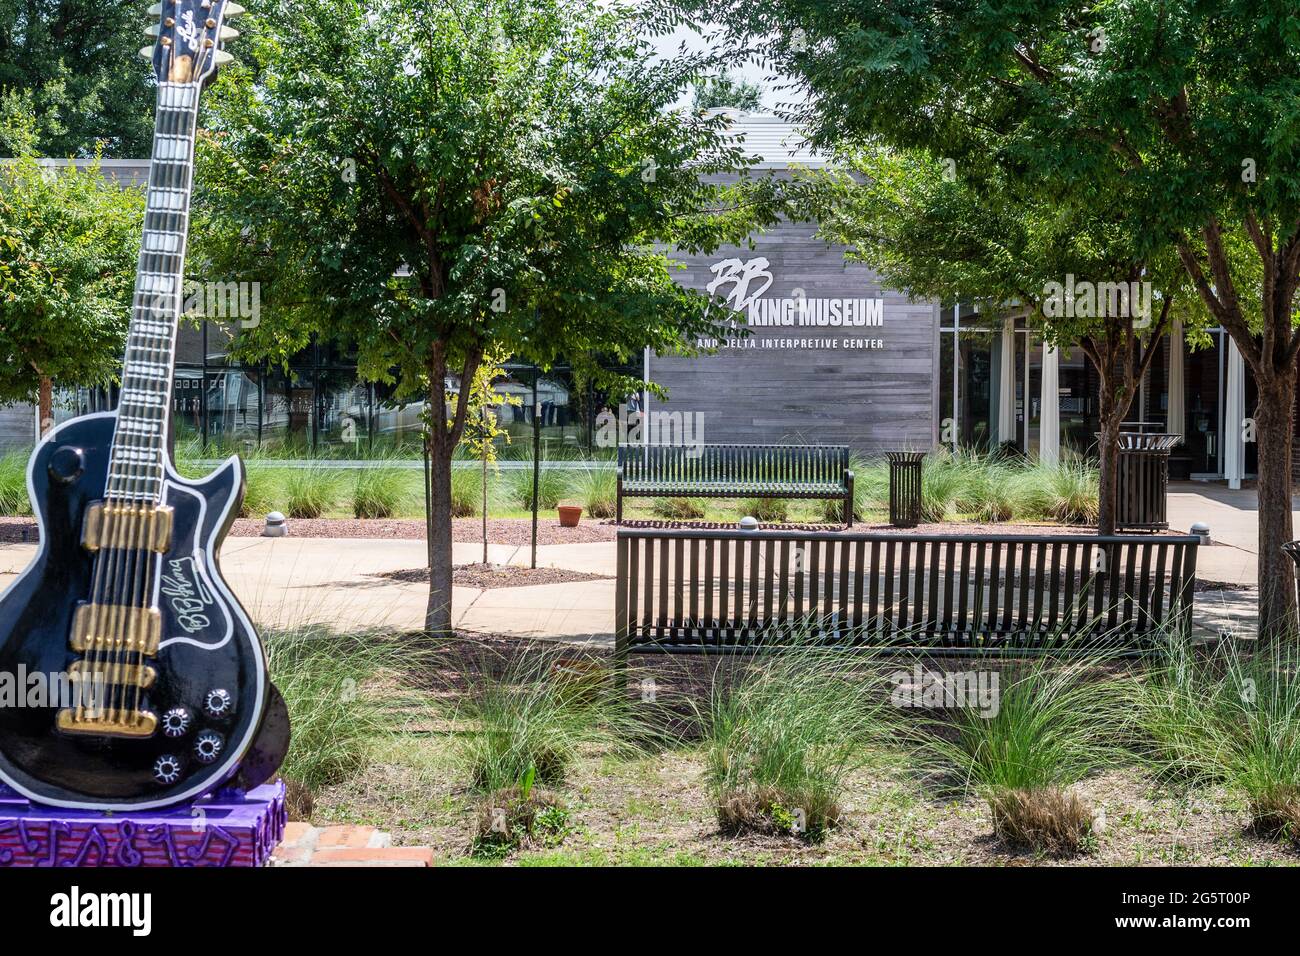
(749, 279)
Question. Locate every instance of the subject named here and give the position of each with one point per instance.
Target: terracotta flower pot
(569, 515)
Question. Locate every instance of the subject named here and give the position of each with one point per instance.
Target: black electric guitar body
(210, 689)
(135, 678)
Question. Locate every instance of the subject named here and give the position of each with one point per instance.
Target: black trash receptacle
(1142, 483)
(905, 488)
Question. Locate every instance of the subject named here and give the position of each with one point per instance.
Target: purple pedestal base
(228, 828)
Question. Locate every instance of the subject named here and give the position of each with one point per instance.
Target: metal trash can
(905, 488)
(1142, 484)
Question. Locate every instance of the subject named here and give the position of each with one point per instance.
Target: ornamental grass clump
(344, 692)
(526, 720)
(597, 490)
(535, 713)
(13, 483)
(782, 738)
(766, 510)
(381, 490)
(1229, 717)
(310, 492)
(678, 509)
(1055, 722)
(466, 492)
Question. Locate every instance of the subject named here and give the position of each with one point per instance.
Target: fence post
(621, 585)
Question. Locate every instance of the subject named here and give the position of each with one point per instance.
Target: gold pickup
(134, 526)
(114, 627)
(101, 676)
(136, 723)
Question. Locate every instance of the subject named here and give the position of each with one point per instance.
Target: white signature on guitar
(189, 596)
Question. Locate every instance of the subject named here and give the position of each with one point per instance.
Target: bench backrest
(736, 464)
(703, 590)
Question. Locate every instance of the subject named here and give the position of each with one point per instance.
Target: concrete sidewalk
(292, 581)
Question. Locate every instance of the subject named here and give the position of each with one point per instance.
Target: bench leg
(848, 505)
(618, 505)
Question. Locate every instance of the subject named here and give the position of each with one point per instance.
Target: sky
(750, 71)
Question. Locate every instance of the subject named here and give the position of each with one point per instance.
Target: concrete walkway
(286, 582)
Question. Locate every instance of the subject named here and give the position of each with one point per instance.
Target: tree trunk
(437, 616)
(1112, 416)
(45, 405)
(1277, 595)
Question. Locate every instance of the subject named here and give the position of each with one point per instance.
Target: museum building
(831, 356)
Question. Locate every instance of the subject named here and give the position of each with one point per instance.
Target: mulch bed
(518, 531)
(486, 576)
(513, 531)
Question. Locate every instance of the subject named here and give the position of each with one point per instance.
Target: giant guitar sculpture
(124, 603)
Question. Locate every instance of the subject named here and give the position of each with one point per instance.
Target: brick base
(306, 845)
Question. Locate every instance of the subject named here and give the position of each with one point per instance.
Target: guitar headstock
(188, 39)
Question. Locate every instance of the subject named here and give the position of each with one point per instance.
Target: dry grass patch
(1050, 820)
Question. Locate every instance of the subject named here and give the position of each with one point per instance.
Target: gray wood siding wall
(870, 399)
(17, 426)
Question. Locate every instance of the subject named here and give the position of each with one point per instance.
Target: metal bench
(735, 471)
(684, 591)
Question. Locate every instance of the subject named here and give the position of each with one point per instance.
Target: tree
(1183, 113)
(69, 242)
(77, 61)
(725, 90)
(936, 236)
(431, 183)
(482, 427)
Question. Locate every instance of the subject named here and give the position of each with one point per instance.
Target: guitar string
(183, 122)
(140, 458)
(180, 124)
(130, 445)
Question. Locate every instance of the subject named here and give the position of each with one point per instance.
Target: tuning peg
(234, 10)
(155, 10)
(146, 52)
(221, 57)
(151, 30)
(227, 33)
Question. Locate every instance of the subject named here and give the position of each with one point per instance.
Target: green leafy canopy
(426, 182)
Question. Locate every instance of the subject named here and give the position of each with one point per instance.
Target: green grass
(467, 492)
(781, 741)
(678, 509)
(13, 483)
(596, 489)
(381, 491)
(531, 715)
(516, 485)
(342, 692)
(1231, 717)
(264, 491)
(310, 492)
(766, 510)
(1055, 722)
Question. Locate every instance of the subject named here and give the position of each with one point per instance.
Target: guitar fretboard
(139, 443)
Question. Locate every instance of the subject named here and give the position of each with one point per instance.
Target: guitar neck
(140, 441)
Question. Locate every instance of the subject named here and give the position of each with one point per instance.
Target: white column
(1176, 422)
(1007, 384)
(1234, 446)
(1049, 415)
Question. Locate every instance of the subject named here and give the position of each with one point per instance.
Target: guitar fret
(136, 461)
(139, 396)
